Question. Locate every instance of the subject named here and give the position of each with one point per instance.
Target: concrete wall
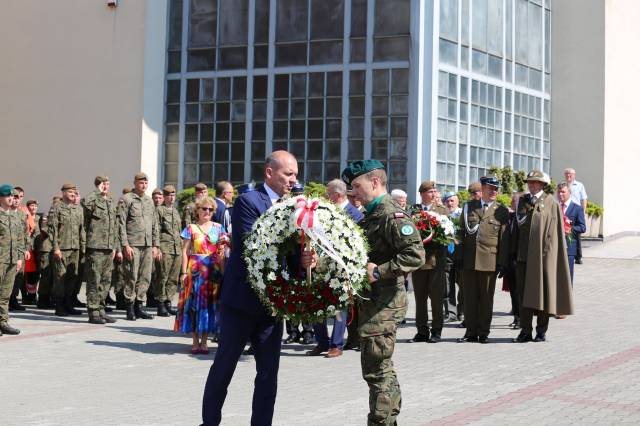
(621, 146)
(73, 87)
(577, 92)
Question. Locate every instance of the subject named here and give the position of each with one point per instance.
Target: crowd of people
(145, 251)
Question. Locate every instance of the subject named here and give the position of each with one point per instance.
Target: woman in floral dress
(201, 273)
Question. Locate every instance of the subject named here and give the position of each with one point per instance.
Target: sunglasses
(206, 209)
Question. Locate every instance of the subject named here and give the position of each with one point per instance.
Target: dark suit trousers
(526, 314)
(479, 288)
(429, 284)
(265, 334)
(337, 334)
(572, 261)
(353, 338)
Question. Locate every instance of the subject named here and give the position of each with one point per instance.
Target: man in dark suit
(224, 196)
(574, 222)
(337, 194)
(243, 317)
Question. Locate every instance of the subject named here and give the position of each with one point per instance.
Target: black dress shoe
(61, 311)
(317, 350)
(483, 339)
(307, 338)
(5, 328)
(292, 338)
(351, 346)
(523, 338)
(419, 337)
(468, 339)
(540, 338)
(578, 260)
(435, 338)
(71, 310)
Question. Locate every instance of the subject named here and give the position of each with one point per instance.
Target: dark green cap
(358, 168)
(6, 190)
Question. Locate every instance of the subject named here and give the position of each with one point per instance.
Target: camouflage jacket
(138, 223)
(169, 228)
(100, 221)
(66, 227)
(12, 242)
(189, 214)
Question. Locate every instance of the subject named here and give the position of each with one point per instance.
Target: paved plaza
(63, 371)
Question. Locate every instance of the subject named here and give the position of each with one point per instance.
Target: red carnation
(291, 308)
(279, 302)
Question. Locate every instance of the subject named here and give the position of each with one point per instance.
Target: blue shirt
(578, 193)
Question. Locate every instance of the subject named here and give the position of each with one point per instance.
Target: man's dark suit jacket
(575, 214)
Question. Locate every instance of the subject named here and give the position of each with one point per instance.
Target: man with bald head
(243, 318)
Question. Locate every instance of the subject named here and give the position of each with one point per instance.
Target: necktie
(484, 207)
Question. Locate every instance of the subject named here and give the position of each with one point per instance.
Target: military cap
(448, 195)
(474, 187)
(359, 168)
(490, 180)
(200, 187)
(15, 192)
(297, 189)
(246, 187)
(140, 176)
(168, 189)
(349, 192)
(100, 179)
(69, 186)
(126, 190)
(426, 186)
(31, 202)
(156, 191)
(6, 190)
(537, 176)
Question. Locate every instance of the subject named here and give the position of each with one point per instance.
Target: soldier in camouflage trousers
(100, 223)
(170, 259)
(12, 249)
(395, 249)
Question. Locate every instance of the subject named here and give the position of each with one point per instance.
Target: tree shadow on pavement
(148, 331)
(47, 316)
(156, 348)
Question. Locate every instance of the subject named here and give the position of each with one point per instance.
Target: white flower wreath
(342, 252)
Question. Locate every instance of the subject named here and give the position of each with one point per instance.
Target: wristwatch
(376, 273)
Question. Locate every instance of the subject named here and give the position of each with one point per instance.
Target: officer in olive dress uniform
(430, 280)
(67, 234)
(484, 240)
(138, 230)
(189, 215)
(100, 223)
(395, 249)
(12, 250)
(169, 261)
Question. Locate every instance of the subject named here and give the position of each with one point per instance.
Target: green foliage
(551, 188)
(594, 209)
(504, 199)
(519, 178)
(187, 196)
(463, 196)
(507, 178)
(314, 189)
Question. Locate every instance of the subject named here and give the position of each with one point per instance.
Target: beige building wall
(594, 102)
(77, 98)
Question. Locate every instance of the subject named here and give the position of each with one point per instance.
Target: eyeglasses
(207, 209)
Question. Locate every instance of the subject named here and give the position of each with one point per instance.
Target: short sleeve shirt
(578, 193)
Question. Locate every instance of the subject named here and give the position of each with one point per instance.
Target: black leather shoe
(140, 312)
(307, 338)
(162, 310)
(5, 328)
(14, 305)
(351, 346)
(61, 311)
(523, 338)
(578, 260)
(131, 316)
(170, 310)
(435, 338)
(419, 337)
(292, 338)
(71, 310)
(540, 338)
(317, 351)
(483, 339)
(468, 339)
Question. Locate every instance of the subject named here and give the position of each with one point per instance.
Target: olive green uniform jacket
(138, 223)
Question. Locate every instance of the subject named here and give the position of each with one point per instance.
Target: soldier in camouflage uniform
(395, 249)
(18, 209)
(66, 231)
(117, 275)
(170, 257)
(158, 199)
(42, 250)
(12, 250)
(100, 224)
(190, 215)
(138, 230)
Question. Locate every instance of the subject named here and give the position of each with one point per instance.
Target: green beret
(358, 168)
(6, 190)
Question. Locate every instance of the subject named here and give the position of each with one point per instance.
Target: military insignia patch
(406, 230)
(399, 215)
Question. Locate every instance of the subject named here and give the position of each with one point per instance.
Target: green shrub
(594, 209)
(314, 189)
(504, 199)
(187, 196)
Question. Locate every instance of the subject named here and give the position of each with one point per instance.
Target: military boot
(61, 311)
(69, 307)
(107, 319)
(131, 316)
(5, 328)
(162, 310)
(95, 318)
(120, 302)
(140, 312)
(167, 306)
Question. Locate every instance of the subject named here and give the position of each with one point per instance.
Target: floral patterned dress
(198, 305)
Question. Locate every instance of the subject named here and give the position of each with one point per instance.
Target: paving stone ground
(67, 372)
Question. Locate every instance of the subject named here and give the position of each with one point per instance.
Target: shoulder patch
(399, 215)
(406, 230)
